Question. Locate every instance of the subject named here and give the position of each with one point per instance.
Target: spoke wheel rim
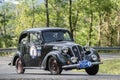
(54, 65)
(19, 66)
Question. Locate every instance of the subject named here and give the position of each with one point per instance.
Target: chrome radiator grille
(77, 52)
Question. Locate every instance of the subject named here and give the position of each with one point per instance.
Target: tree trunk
(108, 30)
(70, 17)
(99, 30)
(75, 22)
(47, 13)
(4, 23)
(1, 32)
(118, 37)
(57, 16)
(33, 14)
(91, 24)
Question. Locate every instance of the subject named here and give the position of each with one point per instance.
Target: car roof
(42, 29)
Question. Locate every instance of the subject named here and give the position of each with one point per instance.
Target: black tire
(54, 66)
(92, 70)
(19, 66)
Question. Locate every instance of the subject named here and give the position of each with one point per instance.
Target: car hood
(61, 44)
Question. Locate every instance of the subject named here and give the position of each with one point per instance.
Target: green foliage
(95, 21)
(6, 41)
(1, 42)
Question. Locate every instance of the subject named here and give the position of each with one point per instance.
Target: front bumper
(81, 65)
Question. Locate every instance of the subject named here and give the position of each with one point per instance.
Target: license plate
(85, 64)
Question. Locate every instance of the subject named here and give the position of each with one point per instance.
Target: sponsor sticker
(39, 51)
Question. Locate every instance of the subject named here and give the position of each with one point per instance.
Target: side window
(67, 36)
(23, 39)
(34, 38)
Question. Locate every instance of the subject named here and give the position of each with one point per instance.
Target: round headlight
(87, 48)
(65, 50)
(94, 57)
(74, 59)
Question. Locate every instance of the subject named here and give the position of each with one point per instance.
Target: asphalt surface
(9, 73)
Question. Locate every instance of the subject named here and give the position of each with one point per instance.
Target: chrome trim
(95, 63)
(77, 65)
(79, 52)
(72, 51)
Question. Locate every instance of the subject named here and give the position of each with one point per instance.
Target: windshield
(57, 35)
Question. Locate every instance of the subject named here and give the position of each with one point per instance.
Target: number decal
(33, 51)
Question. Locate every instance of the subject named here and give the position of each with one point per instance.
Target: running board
(32, 67)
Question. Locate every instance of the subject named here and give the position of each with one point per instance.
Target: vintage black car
(53, 49)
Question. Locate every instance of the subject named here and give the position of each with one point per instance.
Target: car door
(35, 49)
(23, 47)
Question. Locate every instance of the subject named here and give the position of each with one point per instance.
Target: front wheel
(19, 66)
(54, 66)
(92, 70)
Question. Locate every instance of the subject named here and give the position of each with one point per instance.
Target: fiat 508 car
(53, 49)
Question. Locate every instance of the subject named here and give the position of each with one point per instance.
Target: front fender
(55, 54)
(93, 51)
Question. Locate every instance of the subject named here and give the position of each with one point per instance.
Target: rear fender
(17, 55)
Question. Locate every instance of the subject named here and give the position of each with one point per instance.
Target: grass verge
(6, 53)
(108, 67)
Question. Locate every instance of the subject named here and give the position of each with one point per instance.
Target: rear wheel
(92, 70)
(19, 66)
(54, 66)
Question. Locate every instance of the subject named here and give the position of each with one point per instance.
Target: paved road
(109, 56)
(8, 72)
